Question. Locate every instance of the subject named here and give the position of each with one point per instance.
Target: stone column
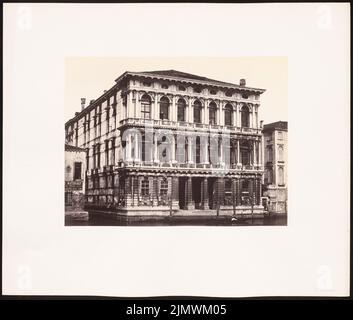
(190, 205)
(130, 108)
(260, 191)
(238, 116)
(174, 111)
(234, 192)
(156, 107)
(173, 146)
(254, 151)
(235, 118)
(190, 113)
(155, 137)
(257, 117)
(190, 151)
(251, 190)
(238, 151)
(206, 118)
(218, 115)
(238, 192)
(175, 192)
(155, 192)
(137, 105)
(205, 149)
(204, 194)
(220, 191)
(128, 191)
(220, 121)
(137, 148)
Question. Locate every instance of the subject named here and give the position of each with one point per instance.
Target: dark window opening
(212, 113)
(164, 108)
(181, 109)
(146, 107)
(77, 170)
(228, 115)
(197, 111)
(245, 116)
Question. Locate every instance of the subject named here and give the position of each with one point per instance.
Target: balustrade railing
(141, 121)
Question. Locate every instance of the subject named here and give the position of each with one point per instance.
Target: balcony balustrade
(183, 124)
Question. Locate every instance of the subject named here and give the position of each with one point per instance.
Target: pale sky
(88, 77)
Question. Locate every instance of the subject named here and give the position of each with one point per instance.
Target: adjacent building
(166, 142)
(75, 172)
(276, 165)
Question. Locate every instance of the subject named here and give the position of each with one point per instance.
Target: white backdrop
(310, 256)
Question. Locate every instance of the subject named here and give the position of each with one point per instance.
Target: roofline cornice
(209, 83)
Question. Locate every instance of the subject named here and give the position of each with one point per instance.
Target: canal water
(280, 220)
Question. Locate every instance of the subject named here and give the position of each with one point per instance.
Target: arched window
(245, 116)
(164, 108)
(212, 112)
(146, 107)
(245, 152)
(181, 109)
(228, 115)
(197, 111)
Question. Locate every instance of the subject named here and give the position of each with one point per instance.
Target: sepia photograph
(176, 150)
(168, 147)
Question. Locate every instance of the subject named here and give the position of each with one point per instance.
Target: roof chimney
(83, 102)
(91, 101)
(242, 82)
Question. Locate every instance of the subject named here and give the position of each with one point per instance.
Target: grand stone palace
(166, 142)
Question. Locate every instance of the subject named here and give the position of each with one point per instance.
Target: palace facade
(171, 143)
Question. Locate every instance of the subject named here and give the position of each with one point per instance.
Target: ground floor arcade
(154, 193)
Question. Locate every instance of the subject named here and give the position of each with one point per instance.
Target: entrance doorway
(182, 193)
(196, 192)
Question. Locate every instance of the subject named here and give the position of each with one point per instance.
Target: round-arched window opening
(228, 115)
(197, 111)
(212, 112)
(245, 117)
(181, 109)
(164, 108)
(146, 107)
